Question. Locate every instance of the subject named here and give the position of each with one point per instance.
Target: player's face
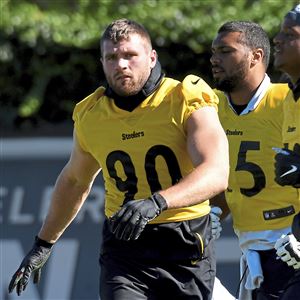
(230, 61)
(287, 48)
(127, 64)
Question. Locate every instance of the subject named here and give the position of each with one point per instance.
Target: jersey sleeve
(197, 94)
(79, 114)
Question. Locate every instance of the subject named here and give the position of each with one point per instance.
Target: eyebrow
(110, 54)
(221, 47)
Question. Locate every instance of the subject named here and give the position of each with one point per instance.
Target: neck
(246, 90)
(129, 103)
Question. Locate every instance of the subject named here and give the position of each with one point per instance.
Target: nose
(122, 63)
(214, 59)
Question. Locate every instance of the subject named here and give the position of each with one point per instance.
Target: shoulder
(278, 90)
(169, 84)
(87, 103)
(275, 94)
(193, 83)
(279, 87)
(194, 87)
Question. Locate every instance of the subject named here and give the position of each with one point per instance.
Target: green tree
(49, 51)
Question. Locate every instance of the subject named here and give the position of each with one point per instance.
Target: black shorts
(276, 273)
(168, 261)
(292, 290)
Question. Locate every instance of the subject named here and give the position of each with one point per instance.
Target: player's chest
(135, 134)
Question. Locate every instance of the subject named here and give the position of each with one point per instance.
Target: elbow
(224, 186)
(223, 179)
(224, 170)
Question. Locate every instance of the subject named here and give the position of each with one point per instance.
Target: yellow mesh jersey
(252, 191)
(145, 150)
(291, 121)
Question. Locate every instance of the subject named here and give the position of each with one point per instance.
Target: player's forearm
(207, 146)
(203, 183)
(67, 199)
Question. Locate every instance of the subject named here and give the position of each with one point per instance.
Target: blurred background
(49, 61)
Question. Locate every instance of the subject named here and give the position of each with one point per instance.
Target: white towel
(253, 276)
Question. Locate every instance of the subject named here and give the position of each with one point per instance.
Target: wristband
(160, 201)
(43, 243)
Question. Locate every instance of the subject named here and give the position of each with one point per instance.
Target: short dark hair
(294, 14)
(121, 30)
(253, 36)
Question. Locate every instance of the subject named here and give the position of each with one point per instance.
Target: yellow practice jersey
(256, 201)
(291, 121)
(145, 150)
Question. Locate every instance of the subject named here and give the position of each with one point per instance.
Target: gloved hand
(32, 263)
(287, 167)
(216, 227)
(296, 227)
(129, 222)
(288, 250)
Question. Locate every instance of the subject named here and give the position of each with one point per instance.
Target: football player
(250, 111)
(163, 154)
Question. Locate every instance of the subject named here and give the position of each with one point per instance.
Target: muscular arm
(71, 190)
(208, 148)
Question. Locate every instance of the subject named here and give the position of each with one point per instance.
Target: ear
(257, 56)
(153, 58)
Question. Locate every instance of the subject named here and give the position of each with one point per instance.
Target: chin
(125, 91)
(217, 82)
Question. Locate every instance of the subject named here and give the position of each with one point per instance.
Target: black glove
(296, 227)
(131, 219)
(287, 167)
(32, 263)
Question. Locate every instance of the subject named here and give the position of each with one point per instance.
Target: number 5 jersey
(256, 201)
